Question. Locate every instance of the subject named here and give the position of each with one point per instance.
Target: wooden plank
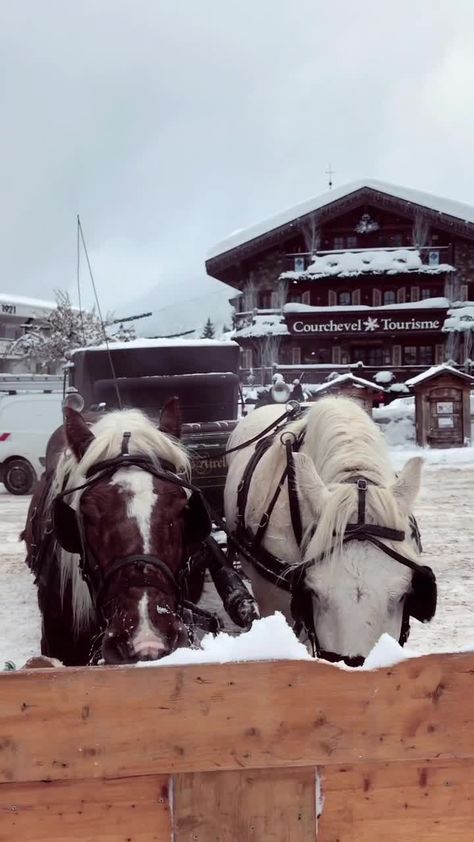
(108, 722)
(124, 810)
(431, 802)
(274, 805)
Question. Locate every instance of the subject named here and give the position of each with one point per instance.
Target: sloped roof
(444, 368)
(448, 207)
(348, 378)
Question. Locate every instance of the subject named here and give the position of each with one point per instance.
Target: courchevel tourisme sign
(368, 325)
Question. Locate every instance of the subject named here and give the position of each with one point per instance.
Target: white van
(26, 422)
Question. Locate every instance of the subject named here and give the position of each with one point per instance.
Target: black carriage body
(203, 376)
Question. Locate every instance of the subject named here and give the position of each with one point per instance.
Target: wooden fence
(239, 752)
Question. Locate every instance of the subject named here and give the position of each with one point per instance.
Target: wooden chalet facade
(366, 276)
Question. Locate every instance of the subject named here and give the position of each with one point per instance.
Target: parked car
(26, 423)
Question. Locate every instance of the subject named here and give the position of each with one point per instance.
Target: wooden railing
(293, 751)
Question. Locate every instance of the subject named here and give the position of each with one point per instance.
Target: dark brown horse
(109, 531)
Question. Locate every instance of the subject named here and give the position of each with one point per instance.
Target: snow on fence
(288, 750)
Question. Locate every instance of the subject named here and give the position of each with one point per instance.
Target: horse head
(361, 573)
(129, 528)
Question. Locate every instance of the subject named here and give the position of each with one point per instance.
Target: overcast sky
(167, 125)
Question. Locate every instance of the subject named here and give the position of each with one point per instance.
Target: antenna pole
(106, 339)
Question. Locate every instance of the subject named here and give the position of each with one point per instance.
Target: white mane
(342, 441)
(146, 440)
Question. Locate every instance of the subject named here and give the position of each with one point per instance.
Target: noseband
(70, 533)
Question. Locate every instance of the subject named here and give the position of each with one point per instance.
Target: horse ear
(171, 418)
(311, 488)
(407, 486)
(78, 434)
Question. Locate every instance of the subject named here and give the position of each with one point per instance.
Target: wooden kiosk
(442, 407)
(350, 386)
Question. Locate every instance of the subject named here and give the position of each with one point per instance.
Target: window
(389, 296)
(344, 298)
(339, 242)
(294, 298)
(426, 293)
(395, 240)
(352, 242)
(425, 355)
(265, 300)
(409, 355)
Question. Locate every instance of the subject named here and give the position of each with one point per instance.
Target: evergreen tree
(209, 330)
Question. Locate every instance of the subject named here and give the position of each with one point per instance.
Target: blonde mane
(146, 440)
(342, 442)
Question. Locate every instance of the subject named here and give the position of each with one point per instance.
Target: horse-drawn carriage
(144, 374)
(119, 532)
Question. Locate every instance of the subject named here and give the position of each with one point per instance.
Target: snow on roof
(24, 301)
(459, 319)
(346, 264)
(264, 325)
(348, 378)
(450, 207)
(158, 343)
(444, 368)
(426, 304)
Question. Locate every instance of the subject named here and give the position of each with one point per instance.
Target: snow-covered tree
(208, 330)
(64, 329)
(125, 333)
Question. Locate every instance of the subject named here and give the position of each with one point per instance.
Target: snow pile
(397, 422)
(269, 639)
(459, 319)
(264, 324)
(347, 264)
(159, 343)
(383, 377)
(386, 653)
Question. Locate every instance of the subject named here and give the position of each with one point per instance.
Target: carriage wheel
(19, 476)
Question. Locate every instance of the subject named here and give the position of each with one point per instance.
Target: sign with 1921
(9, 308)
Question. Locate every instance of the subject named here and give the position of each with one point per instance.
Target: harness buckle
(288, 436)
(362, 484)
(293, 408)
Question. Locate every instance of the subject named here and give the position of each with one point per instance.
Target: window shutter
(296, 356)
(401, 295)
(336, 355)
(274, 300)
(306, 297)
(397, 355)
(464, 292)
(376, 298)
(439, 354)
(415, 293)
(356, 296)
(332, 298)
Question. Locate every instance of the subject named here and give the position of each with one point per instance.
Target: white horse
(356, 590)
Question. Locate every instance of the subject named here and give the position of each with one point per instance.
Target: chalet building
(368, 276)
(20, 315)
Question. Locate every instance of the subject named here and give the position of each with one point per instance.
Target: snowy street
(444, 510)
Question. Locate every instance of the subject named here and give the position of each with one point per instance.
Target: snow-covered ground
(445, 514)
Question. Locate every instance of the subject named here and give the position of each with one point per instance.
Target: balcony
(347, 262)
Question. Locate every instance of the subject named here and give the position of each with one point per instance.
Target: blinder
(66, 527)
(421, 603)
(198, 520)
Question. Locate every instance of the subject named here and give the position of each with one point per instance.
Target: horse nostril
(355, 661)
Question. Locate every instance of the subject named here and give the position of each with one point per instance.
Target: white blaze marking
(138, 485)
(146, 640)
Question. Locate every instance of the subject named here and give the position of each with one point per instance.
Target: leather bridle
(149, 570)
